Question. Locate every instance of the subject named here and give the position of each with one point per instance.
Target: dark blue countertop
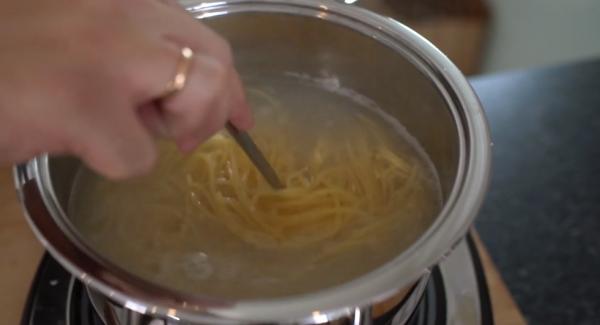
(541, 218)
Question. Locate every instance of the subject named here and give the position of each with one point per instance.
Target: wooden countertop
(21, 253)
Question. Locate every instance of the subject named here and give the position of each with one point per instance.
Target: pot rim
(44, 214)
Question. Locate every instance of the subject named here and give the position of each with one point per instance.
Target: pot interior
(363, 64)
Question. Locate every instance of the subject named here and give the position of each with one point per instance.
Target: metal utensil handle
(256, 156)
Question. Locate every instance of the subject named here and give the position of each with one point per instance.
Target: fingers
(119, 143)
(203, 106)
(209, 124)
(213, 93)
(172, 28)
(117, 146)
(170, 21)
(241, 115)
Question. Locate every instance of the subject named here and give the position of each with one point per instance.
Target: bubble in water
(197, 266)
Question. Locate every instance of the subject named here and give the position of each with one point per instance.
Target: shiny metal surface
(375, 56)
(463, 303)
(244, 140)
(118, 315)
(461, 291)
(403, 315)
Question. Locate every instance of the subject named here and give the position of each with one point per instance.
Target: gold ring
(181, 73)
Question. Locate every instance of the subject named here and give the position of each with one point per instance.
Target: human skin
(85, 77)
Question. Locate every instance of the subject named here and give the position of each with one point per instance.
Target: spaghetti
(208, 222)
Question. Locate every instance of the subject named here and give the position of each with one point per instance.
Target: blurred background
(486, 36)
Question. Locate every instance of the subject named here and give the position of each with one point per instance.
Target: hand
(82, 77)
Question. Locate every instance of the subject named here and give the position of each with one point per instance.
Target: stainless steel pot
(376, 57)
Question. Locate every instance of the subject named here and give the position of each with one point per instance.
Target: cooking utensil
(244, 140)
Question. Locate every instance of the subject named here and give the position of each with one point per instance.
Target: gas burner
(456, 293)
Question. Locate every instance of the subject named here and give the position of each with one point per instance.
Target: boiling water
(159, 228)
